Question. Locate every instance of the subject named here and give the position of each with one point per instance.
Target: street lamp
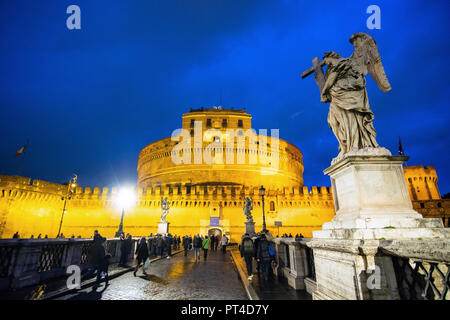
(262, 192)
(124, 200)
(68, 196)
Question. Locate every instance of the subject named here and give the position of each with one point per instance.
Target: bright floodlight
(125, 198)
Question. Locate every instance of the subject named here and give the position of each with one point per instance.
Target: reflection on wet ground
(178, 278)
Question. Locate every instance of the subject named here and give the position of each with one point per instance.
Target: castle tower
(422, 182)
(250, 162)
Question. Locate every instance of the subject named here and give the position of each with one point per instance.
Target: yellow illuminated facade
(203, 197)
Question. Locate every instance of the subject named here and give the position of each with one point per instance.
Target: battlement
(420, 171)
(22, 188)
(218, 109)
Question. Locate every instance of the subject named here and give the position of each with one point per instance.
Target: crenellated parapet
(20, 188)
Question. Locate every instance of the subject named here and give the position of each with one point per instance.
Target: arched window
(272, 205)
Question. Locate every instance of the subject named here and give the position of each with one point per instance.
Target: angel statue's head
(331, 57)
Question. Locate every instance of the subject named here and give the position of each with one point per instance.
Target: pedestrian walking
(224, 243)
(142, 255)
(211, 242)
(186, 245)
(197, 246)
(96, 256)
(205, 247)
(168, 245)
(159, 246)
(263, 256)
(104, 266)
(216, 242)
(247, 249)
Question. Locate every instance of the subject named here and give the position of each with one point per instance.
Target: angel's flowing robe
(350, 116)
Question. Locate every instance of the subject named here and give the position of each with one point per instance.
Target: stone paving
(178, 278)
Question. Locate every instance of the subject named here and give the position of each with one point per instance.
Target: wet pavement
(275, 288)
(178, 278)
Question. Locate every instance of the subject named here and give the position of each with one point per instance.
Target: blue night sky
(89, 100)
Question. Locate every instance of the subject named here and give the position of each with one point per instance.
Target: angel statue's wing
(368, 58)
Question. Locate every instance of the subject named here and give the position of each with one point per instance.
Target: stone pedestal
(163, 227)
(372, 205)
(250, 228)
(372, 202)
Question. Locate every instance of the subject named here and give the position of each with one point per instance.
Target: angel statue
(165, 209)
(248, 207)
(344, 86)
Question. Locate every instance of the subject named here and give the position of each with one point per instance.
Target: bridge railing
(25, 262)
(295, 262)
(422, 268)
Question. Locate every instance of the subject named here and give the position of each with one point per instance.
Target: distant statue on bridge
(165, 209)
(248, 207)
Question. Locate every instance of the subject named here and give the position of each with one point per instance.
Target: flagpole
(22, 163)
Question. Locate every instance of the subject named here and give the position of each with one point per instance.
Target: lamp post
(124, 200)
(262, 192)
(68, 196)
(119, 232)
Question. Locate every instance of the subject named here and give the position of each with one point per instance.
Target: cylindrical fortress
(225, 135)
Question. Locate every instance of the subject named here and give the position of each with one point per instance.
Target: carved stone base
(373, 207)
(250, 228)
(362, 152)
(163, 227)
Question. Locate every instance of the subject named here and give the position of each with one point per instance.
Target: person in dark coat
(211, 242)
(142, 255)
(169, 243)
(216, 242)
(186, 245)
(247, 249)
(96, 257)
(197, 246)
(159, 246)
(263, 256)
(149, 246)
(97, 236)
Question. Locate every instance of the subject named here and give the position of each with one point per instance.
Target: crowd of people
(205, 243)
(257, 248)
(148, 247)
(61, 236)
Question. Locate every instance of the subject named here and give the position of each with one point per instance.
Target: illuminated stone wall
(30, 209)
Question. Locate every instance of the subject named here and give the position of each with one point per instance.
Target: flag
(21, 150)
(400, 147)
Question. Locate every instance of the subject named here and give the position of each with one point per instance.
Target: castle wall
(29, 209)
(33, 207)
